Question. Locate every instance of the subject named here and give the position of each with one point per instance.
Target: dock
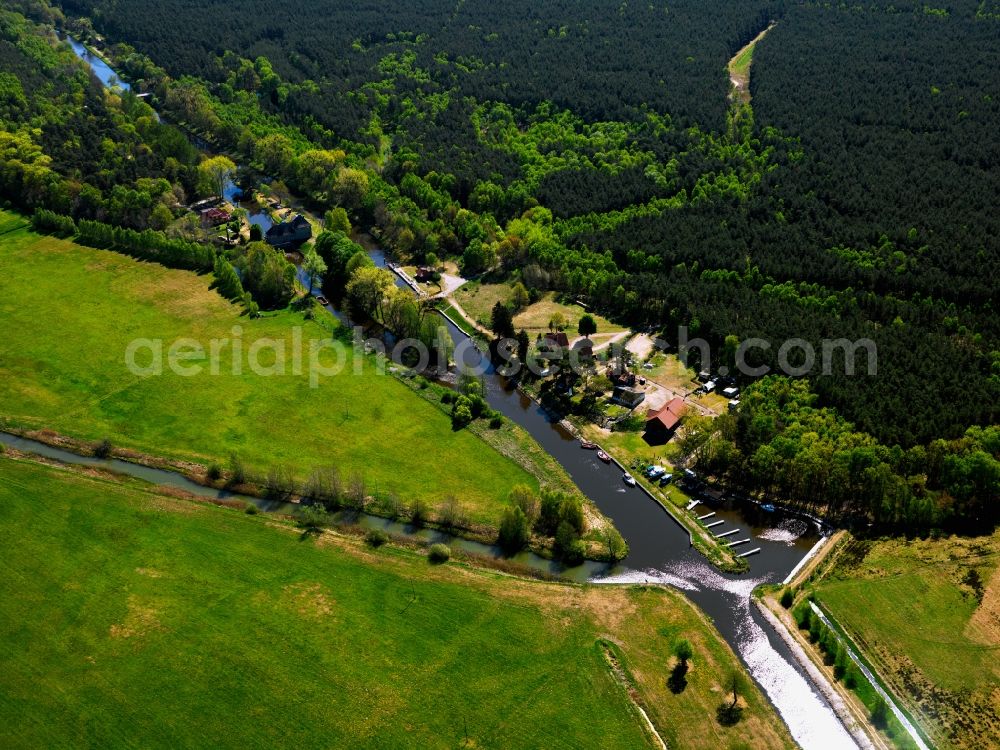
(707, 515)
(717, 523)
(727, 533)
(751, 552)
(692, 504)
(738, 542)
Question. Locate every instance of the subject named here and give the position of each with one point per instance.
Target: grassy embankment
(69, 313)
(137, 618)
(926, 615)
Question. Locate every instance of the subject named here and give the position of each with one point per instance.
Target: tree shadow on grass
(728, 715)
(678, 678)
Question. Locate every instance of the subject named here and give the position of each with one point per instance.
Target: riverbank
(112, 562)
(269, 414)
(921, 616)
(853, 711)
(671, 499)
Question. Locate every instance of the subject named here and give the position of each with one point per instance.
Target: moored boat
(604, 457)
(588, 446)
(628, 479)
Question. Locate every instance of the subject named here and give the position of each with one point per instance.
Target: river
(659, 549)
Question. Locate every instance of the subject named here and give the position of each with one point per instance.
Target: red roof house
(664, 421)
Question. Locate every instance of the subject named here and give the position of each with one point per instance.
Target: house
(661, 424)
(554, 345)
(424, 274)
(584, 349)
(620, 379)
(629, 397)
(213, 217)
(289, 233)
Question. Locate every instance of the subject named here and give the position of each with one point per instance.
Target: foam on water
(785, 532)
(810, 720)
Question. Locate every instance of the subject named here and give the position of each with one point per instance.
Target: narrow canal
(659, 549)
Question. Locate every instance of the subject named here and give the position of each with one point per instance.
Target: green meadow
(140, 619)
(926, 614)
(68, 314)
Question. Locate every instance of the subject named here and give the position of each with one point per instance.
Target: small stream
(659, 547)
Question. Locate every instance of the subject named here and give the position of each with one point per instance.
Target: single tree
(501, 322)
(215, 173)
(617, 546)
(587, 326)
(519, 296)
(736, 684)
(336, 220)
(314, 266)
(514, 532)
(880, 712)
(683, 650)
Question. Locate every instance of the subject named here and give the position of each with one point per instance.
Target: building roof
(557, 338)
(289, 231)
(669, 416)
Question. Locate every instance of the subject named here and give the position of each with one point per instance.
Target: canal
(659, 549)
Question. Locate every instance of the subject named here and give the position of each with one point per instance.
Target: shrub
(376, 538)
(880, 713)
(237, 471)
(787, 598)
(617, 546)
(450, 515)
(103, 449)
(631, 423)
(840, 664)
(280, 483)
(803, 615)
(514, 532)
(496, 422)
(251, 509)
(418, 512)
(214, 472)
(312, 517)
(851, 678)
(438, 553)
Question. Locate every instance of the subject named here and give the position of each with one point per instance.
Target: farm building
(661, 425)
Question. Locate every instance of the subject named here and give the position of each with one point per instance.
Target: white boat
(628, 479)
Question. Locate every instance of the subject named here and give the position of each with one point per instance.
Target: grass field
(131, 618)
(478, 299)
(68, 314)
(930, 633)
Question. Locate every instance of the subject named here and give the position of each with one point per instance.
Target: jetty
(727, 533)
(751, 552)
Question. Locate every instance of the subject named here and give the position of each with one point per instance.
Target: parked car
(666, 479)
(654, 472)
